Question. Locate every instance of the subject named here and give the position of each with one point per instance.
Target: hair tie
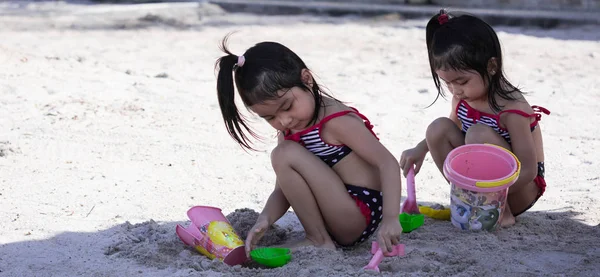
(443, 18)
(240, 62)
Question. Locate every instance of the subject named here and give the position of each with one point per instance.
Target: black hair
(269, 68)
(462, 42)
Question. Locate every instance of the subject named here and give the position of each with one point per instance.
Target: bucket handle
(503, 181)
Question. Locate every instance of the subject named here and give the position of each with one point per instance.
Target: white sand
(100, 159)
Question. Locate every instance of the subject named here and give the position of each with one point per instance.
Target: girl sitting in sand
(464, 54)
(330, 166)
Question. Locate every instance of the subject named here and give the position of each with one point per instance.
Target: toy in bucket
(480, 176)
(211, 234)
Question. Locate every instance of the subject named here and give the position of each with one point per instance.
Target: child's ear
(492, 67)
(306, 77)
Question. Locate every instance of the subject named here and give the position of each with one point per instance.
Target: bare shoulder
(341, 107)
(511, 117)
(330, 106)
(520, 104)
(340, 125)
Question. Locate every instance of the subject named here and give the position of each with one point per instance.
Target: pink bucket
(480, 176)
(212, 235)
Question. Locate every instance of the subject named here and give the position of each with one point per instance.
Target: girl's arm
(351, 131)
(277, 205)
(423, 146)
(523, 147)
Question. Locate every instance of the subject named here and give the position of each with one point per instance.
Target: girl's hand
(410, 157)
(389, 234)
(256, 233)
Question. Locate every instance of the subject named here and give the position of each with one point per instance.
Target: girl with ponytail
(330, 167)
(466, 60)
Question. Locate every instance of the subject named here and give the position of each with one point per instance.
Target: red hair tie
(443, 18)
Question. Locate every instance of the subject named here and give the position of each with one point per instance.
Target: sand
(111, 132)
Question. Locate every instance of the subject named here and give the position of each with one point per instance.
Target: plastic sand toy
(211, 234)
(443, 214)
(271, 256)
(410, 222)
(378, 255)
(410, 216)
(410, 204)
(480, 176)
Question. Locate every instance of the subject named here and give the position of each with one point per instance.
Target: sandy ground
(110, 131)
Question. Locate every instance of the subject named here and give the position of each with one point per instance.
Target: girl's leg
(442, 136)
(480, 133)
(317, 195)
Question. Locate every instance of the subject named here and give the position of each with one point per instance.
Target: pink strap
(519, 112)
(367, 121)
(332, 116)
(537, 113)
(296, 137)
(475, 114)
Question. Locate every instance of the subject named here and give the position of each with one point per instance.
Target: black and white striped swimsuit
(369, 201)
(311, 139)
(469, 116)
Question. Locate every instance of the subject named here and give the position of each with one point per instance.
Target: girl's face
(464, 85)
(293, 110)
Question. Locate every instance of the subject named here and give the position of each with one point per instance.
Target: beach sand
(111, 131)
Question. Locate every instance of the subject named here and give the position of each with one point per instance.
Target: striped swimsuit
(369, 201)
(469, 116)
(311, 139)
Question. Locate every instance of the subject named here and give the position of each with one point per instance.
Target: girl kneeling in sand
(329, 165)
(464, 53)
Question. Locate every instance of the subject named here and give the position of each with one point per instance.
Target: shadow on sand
(542, 243)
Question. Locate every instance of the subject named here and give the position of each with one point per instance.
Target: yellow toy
(211, 234)
(435, 214)
(221, 234)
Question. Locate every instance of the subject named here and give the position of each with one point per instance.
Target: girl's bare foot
(507, 218)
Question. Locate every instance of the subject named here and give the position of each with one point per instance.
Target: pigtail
(433, 25)
(233, 119)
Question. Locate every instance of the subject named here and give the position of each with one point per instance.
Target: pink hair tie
(241, 61)
(443, 19)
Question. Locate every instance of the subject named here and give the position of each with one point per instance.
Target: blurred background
(540, 12)
(109, 118)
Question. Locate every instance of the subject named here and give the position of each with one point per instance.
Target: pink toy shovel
(398, 250)
(410, 204)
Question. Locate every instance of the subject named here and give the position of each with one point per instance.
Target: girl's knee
(439, 128)
(480, 133)
(284, 153)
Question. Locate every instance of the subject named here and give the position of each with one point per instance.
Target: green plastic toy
(410, 222)
(271, 256)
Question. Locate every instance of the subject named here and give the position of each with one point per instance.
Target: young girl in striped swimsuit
(330, 166)
(465, 56)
